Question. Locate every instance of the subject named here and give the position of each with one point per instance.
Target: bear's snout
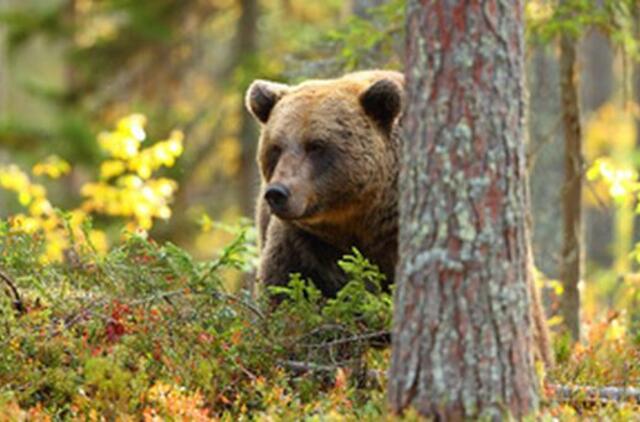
(277, 196)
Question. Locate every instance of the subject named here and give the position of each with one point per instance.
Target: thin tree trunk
(245, 52)
(636, 71)
(602, 225)
(247, 48)
(462, 336)
(4, 68)
(545, 164)
(572, 262)
(635, 87)
(596, 73)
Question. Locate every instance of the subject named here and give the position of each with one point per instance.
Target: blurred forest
(70, 70)
(131, 113)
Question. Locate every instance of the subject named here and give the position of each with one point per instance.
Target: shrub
(146, 330)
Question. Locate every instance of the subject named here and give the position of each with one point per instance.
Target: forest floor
(145, 331)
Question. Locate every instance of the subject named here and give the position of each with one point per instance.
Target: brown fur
(351, 202)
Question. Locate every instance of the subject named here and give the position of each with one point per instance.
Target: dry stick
(302, 367)
(240, 301)
(18, 304)
(217, 294)
(298, 366)
(74, 318)
(71, 320)
(562, 393)
(586, 394)
(353, 339)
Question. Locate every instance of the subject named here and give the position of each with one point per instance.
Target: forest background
(131, 113)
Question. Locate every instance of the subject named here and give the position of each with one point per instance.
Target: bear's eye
(316, 146)
(272, 157)
(274, 151)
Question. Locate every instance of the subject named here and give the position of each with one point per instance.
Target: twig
(298, 366)
(601, 204)
(587, 394)
(72, 319)
(302, 367)
(222, 295)
(18, 304)
(153, 298)
(320, 329)
(352, 339)
(217, 294)
(248, 373)
(533, 152)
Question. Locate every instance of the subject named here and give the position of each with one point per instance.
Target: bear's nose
(277, 196)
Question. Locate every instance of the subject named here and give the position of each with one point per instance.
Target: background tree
(184, 64)
(636, 70)
(462, 335)
(71, 69)
(586, 32)
(571, 271)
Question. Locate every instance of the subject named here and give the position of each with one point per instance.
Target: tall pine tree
(462, 336)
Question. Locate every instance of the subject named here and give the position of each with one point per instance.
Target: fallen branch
(18, 304)
(237, 300)
(562, 393)
(302, 367)
(218, 295)
(587, 394)
(377, 335)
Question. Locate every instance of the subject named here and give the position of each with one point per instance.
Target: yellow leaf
(52, 166)
(554, 321)
(133, 125)
(111, 168)
(24, 198)
(40, 207)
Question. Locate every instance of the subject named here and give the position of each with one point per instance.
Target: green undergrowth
(146, 332)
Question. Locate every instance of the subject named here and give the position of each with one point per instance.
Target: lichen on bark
(462, 330)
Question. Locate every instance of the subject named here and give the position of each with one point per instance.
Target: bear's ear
(382, 101)
(262, 96)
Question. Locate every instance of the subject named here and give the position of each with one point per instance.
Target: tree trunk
(544, 162)
(4, 69)
(602, 234)
(462, 335)
(571, 266)
(596, 73)
(636, 72)
(247, 45)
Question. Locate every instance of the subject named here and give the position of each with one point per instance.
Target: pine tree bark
(571, 266)
(462, 335)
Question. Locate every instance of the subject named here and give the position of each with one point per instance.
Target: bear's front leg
(288, 249)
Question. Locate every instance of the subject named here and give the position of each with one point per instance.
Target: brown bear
(328, 156)
(329, 160)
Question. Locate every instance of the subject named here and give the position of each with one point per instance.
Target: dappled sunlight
(146, 272)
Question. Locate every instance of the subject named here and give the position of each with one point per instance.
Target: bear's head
(327, 147)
